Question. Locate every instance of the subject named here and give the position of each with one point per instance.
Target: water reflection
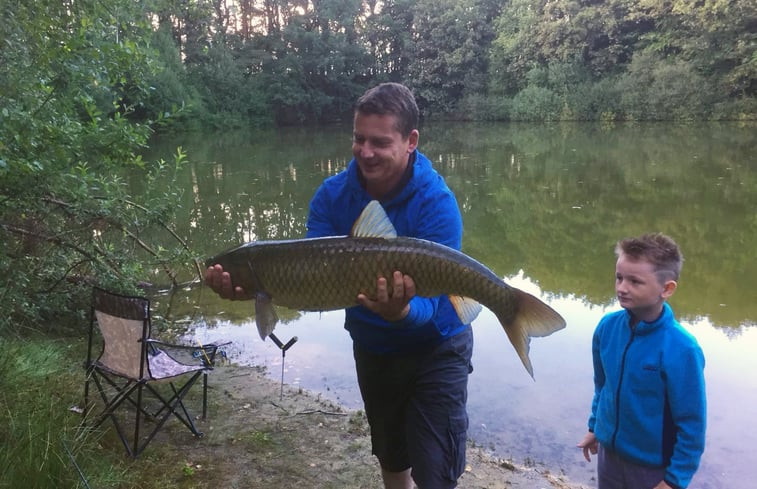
(542, 205)
(549, 199)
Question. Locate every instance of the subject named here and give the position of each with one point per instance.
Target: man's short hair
(658, 249)
(393, 99)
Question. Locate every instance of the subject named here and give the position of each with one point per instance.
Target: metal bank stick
(283, 349)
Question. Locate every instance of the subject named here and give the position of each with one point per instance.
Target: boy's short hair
(658, 249)
(393, 99)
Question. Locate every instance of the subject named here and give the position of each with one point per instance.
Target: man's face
(380, 151)
(638, 287)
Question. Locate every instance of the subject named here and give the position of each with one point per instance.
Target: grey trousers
(613, 472)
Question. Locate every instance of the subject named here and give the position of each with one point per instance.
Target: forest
(292, 62)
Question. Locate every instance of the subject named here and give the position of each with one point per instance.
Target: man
(412, 354)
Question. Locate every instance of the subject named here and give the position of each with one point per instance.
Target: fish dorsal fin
(467, 309)
(373, 223)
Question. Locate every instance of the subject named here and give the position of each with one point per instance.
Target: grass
(42, 445)
(39, 439)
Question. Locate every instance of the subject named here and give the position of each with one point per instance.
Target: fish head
(238, 263)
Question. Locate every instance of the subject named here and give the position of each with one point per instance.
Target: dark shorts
(614, 472)
(415, 405)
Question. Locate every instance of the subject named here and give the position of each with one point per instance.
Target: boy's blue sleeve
(688, 406)
(599, 375)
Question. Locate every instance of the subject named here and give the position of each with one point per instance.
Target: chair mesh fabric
(122, 344)
(163, 366)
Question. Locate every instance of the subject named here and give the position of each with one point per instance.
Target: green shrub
(536, 104)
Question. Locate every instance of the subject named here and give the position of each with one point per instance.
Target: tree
(449, 52)
(716, 36)
(316, 72)
(388, 34)
(72, 75)
(658, 89)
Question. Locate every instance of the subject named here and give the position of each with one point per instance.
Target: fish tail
(533, 318)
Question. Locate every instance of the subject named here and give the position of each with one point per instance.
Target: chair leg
(173, 405)
(85, 407)
(177, 400)
(138, 418)
(171, 408)
(86, 396)
(110, 405)
(204, 395)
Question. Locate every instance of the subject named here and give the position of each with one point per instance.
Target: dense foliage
(293, 61)
(72, 76)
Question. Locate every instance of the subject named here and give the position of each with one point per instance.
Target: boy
(648, 413)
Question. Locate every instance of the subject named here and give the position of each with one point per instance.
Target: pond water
(542, 206)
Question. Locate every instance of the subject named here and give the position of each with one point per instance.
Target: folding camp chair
(134, 369)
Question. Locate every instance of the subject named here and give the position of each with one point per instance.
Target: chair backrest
(124, 322)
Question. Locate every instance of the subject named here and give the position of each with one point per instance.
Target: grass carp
(322, 274)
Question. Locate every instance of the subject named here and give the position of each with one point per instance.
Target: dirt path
(256, 438)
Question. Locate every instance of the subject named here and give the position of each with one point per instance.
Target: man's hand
(590, 445)
(396, 306)
(220, 282)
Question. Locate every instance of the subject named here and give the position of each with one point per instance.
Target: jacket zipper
(620, 383)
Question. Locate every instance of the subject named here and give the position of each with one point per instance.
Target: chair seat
(162, 366)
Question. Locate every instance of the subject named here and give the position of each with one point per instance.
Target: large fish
(321, 274)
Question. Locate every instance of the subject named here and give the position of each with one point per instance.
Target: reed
(41, 444)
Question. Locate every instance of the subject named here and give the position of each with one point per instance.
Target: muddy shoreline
(257, 435)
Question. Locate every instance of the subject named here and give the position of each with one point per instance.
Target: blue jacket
(649, 401)
(423, 208)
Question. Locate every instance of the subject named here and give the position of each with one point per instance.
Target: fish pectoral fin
(373, 223)
(265, 315)
(467, 309)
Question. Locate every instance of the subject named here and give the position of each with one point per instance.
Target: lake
(542, 206)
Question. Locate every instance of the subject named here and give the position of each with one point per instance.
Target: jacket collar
(416, 172)
(644, 327)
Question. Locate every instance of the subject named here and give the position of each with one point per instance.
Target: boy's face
(638, 288)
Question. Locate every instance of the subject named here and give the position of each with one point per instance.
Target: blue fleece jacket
(424, 207)
(649, 401)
